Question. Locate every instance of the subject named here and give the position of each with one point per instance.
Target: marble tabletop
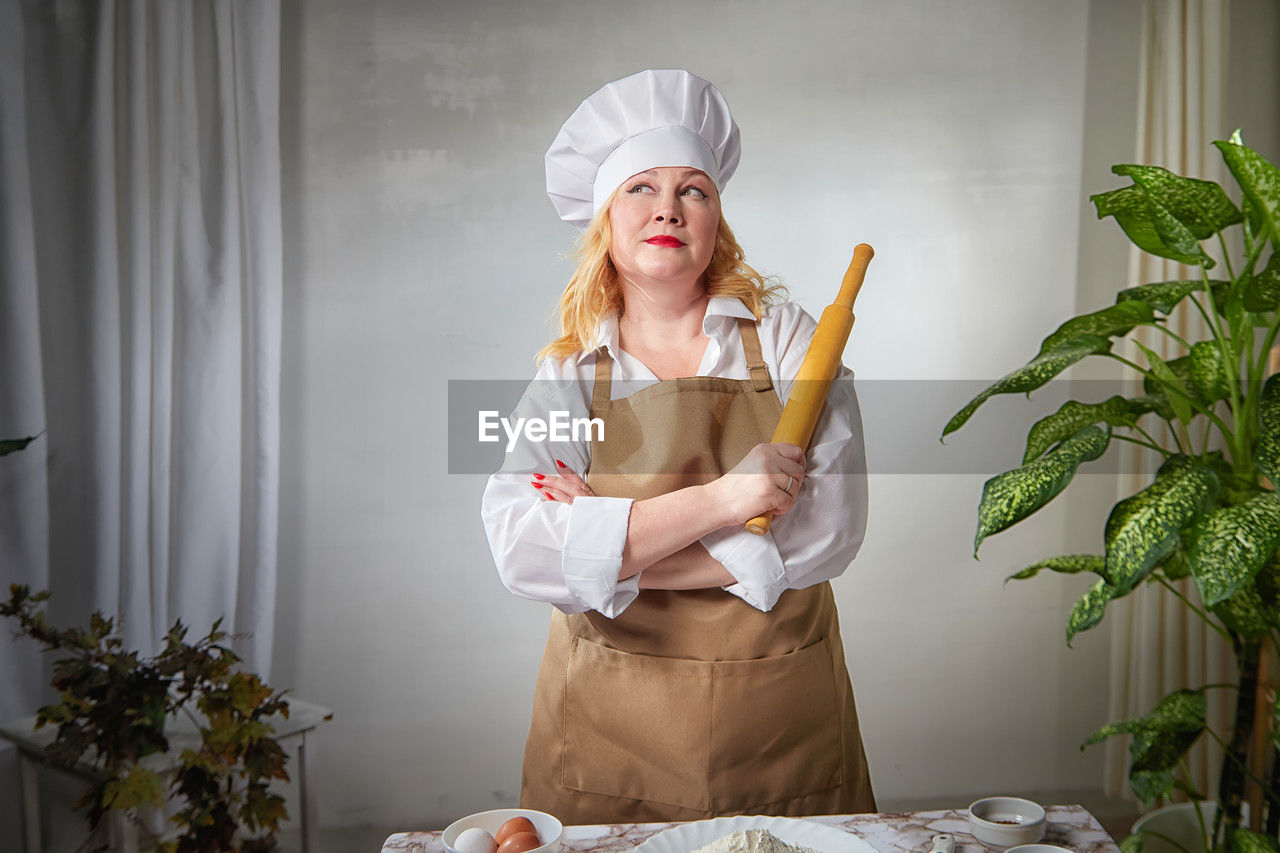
(910, 832)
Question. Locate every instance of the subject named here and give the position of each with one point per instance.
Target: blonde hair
(594, 291)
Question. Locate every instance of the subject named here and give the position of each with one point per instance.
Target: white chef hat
(647, 120)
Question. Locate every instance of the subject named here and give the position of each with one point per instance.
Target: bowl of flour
(754, 834)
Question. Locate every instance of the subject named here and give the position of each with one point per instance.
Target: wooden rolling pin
(819, 367)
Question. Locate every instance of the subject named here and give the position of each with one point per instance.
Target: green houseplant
(1210, 512)
(113, 710)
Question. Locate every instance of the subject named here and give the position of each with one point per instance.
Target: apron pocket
(637, 726)
(776, 732)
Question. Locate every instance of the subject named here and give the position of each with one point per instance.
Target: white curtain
(1158, 645)
(140, 293)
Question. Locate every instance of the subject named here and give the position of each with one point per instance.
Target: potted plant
(116, 706)
(1210, 512)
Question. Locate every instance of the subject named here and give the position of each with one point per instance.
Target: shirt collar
(719, 309)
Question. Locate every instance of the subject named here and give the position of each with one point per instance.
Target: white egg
(474, 840)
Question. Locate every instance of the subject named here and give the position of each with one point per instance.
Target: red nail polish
(536, 485)
(549, 497)
(538, 476)
(561, 464)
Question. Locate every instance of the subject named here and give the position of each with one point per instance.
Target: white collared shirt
(570, 554)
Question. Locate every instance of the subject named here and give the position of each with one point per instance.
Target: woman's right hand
(758, 483)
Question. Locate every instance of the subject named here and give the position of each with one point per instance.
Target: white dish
(549, 828)
(816, 836)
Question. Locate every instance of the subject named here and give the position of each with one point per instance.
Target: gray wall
(960, 139)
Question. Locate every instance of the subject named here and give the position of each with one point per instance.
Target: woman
(692, 669)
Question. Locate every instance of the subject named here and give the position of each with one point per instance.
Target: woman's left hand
(563, 488)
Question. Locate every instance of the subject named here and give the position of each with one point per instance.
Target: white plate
(815, 836)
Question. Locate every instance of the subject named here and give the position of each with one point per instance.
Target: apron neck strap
(602, 392)
(755, 359)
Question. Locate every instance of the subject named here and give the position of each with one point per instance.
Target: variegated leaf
(1164, 296)
(1012, 496)
(1068, 564)
(1153, 757)
(1258, 179)
(1071, 417)
(1175, 724)
(1266, 452)
(1150, 226)
(1231, 544)
(1161, 752)
(1151, 786)
(1137, 215)
(1242, 840)
(1032, 375)
(1245, 613)
(1090, 609)
(1178, 239)
(1180, 711)
(1173, 384)
(1262, 290)
(1143, 529)
(1111, 321)
(1202, 206)
(1209, 378)
(1131, 844)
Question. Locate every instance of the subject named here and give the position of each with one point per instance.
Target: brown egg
(519, 842)
(514, 825)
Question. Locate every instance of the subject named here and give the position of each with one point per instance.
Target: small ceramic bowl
(1007, 822)
(549, 829)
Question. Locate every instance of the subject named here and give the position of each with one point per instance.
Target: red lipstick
(664, 240)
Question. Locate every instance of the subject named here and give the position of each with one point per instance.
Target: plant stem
(1204, 830)
(1238, 763)
(1124, 360)
(1273, 813)
(1233, 370)
(1238, 439)
(1261, 369)
(1259, 243)
(1208, 620)
(1177, 439)
(1231, 782)
(1177, 337)
(1167, 839)
(1226, 256)
(1140, 443)
(1209, 321)
(1210, 415)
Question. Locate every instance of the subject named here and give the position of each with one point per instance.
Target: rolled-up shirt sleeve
(568, 555)
(818, 539)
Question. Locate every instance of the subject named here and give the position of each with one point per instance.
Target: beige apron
(692, 704)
